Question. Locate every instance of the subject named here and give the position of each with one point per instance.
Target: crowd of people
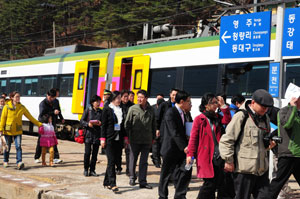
(230, 143)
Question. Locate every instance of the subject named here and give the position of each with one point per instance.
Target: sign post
(244, 36)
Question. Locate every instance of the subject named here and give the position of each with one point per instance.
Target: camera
(275, 138)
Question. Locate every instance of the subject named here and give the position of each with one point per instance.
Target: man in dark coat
(46, 108)
(125, 105)
(174, 147)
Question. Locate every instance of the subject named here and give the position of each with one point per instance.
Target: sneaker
(20, 165)
(37, 161)
(57, 161)
(5, 164)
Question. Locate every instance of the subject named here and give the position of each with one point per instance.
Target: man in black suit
(174, 147)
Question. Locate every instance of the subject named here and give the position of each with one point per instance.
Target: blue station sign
(244, 36)
(291, 32)
(274, 79)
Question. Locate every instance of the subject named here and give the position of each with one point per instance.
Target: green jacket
(289, 130)
(140, 124)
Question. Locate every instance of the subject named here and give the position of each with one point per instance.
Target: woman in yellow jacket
(11, 127)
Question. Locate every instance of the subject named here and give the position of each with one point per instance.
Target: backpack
(79, 136)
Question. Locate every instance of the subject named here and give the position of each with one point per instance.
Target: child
(48, 139)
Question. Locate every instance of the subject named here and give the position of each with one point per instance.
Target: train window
(292, 74)
(161, 81)
(47, 82)
(3, 85)
(138, 79)
(31, 86)
(249, 82)
(15, 85)
(66, 85)
(199, 80)
(80, 81)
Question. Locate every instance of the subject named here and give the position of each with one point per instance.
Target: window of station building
(199, 80)
(246, 84)
(66, 85)
(31, 86)
(292, 74)
(3, 83)
(15, 85)
(47, 82)
(161, 81)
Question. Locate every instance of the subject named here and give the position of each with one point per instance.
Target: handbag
(217, 160)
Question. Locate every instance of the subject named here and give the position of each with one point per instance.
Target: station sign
(247, 35)
(291, 34)
(274, 79)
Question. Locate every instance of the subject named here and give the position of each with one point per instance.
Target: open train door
(140, 74)
(79, 86)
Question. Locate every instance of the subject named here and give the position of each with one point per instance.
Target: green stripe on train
(142, 49)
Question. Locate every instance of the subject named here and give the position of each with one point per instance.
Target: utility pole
(53, 34)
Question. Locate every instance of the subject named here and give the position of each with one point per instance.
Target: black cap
(263, 98)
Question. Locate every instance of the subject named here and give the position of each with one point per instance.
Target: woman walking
(11, 127)
(113, 138)
(203, 145)
(91, 121)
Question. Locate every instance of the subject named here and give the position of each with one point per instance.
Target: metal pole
(255, 7)
(53, 34)
(278, 58)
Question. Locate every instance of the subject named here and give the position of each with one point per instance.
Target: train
(190, 64)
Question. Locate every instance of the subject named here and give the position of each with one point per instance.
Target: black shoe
(145, 186)
(86, 173)
(93, 173)
(132, 182)
(118, 172)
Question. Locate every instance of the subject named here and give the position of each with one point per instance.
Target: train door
(85, 84)
(125, 77)
(140, 73)
(92, 81)
(80, 77)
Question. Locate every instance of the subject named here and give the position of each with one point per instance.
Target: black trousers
(286, 167)
(119, 160)
(156, 157)
(247, 184)
(183, 176)
(38, 150)
(210, 185)
(113, 150)
(90, 149)
(135, 150)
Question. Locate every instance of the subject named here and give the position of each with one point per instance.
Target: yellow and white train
(190, 64)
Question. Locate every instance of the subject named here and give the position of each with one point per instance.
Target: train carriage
(190, 64)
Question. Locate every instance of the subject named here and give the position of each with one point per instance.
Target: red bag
(79, 136)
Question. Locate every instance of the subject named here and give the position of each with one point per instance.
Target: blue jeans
(18, 141)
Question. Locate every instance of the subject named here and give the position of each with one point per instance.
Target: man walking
(243, 147)
(140, 127)
(174, 148)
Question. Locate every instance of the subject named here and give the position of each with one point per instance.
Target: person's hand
(103, 144)
(229, 167)
(56, 112)
(99, 123)
(188, 160)
(157, 133)
(293, 101)
(220, 101)
(186, 150)
(272, 144)
(90, 125)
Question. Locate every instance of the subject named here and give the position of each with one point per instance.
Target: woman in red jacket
(202, 144)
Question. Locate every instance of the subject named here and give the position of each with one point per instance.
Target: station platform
(66, 180)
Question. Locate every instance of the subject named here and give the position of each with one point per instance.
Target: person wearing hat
(243, 147)
(106, 97)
